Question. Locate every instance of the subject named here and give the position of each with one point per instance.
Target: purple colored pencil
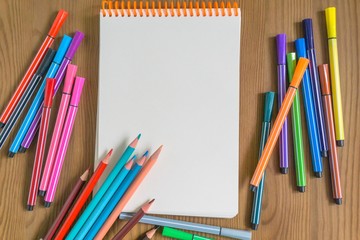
(281, 70)
(315, 83)
(78, 37)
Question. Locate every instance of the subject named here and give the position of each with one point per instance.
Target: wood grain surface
(286, 213)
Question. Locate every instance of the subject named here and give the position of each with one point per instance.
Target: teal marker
(104, 187)
(39, 98)
(265, 130)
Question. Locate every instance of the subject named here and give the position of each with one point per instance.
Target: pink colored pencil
(66, 207)
(64, 104)
(64, 141)
(129, 193)
(40, 147)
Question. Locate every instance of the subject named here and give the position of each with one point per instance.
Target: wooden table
(287, 214)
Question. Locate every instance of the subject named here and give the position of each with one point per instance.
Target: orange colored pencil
(333, 159)
(83, 197)
(279, 122)
(131, 190)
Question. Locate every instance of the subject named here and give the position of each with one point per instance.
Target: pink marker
(64, 140)
(64, 104)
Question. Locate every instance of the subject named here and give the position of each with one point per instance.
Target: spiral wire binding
(121, 8)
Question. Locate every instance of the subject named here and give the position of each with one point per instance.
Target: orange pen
(279, 122)
(333, 159)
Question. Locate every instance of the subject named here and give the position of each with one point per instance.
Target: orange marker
(333, 159)
(279, 122)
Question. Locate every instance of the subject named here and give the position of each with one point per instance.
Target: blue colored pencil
(114, 200)
(313, 130)
(265, 130)
(39, 97)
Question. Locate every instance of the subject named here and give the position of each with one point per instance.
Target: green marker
(297, 129)
(178, 234)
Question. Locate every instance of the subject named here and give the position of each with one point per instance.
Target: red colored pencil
(40, 147)
(66, 207)
(83, 197)
(133, 221)
(57, 24)
(333, 159)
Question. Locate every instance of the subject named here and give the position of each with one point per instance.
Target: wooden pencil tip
(147, 206)
(134, 143)
(85, 175)
(107, 157)
(150, 234)
(156, 154)
(141, 161)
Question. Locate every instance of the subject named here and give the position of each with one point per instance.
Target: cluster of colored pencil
(323, 113)
(108, 202)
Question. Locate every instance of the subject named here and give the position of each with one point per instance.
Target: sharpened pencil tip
(107, 157)
(133, 157)
(85, 175)
(11, 154)
(146, 153)
(150, 234)
(147, 206)
(134, 143)
(139, 136)
(22, 149)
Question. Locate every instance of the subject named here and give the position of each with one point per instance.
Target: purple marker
(315, 83)
(281, 70)
(78, 37)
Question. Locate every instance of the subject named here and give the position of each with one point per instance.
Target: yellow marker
(330, 14)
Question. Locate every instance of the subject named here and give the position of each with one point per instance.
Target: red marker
(40, 148)
(57, 24)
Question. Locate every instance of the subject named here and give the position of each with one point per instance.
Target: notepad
(175, 80)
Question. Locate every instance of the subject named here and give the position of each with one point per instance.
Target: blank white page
(175, 80)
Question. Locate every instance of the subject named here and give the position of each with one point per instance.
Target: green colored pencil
(297, 129)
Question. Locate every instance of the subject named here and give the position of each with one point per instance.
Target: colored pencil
(121, 177)
(149, 234)
(119, 193)
(40, 148)
(24, 99)
(333, 159)
(281, 71)
(310, 116)
(64, 104)
(131, 190)
(330, 15)
(57, 24)
(39, 97)
(190, 226)
(279, 121)
(83, 197)
(66, 207)
(315, 84)
(297, 130)
(64, 141)
(265, 129)
(75, 43)
(133, 221)
(116, 171)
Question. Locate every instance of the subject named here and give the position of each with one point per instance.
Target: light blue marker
(38, 100)
(104, 187)
(313, 130)
(91, 213)
(113, 202)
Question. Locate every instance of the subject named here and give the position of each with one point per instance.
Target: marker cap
(58, 22)
(299, 72)
(269, 103)
(65, 42)
(324, 79)
(281, 48)
(76, 93)
(309, 35)
(330, 16)
(300, 47)
(69, 78)
(178, 234)
(291, 62)
(49, 91)
(45, 63)
(75, 43)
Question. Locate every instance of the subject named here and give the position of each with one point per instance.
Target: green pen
(178, 234)
(297, 129)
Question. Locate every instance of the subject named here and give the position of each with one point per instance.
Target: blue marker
(113, 201)
(39, 98)
(313, 130)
